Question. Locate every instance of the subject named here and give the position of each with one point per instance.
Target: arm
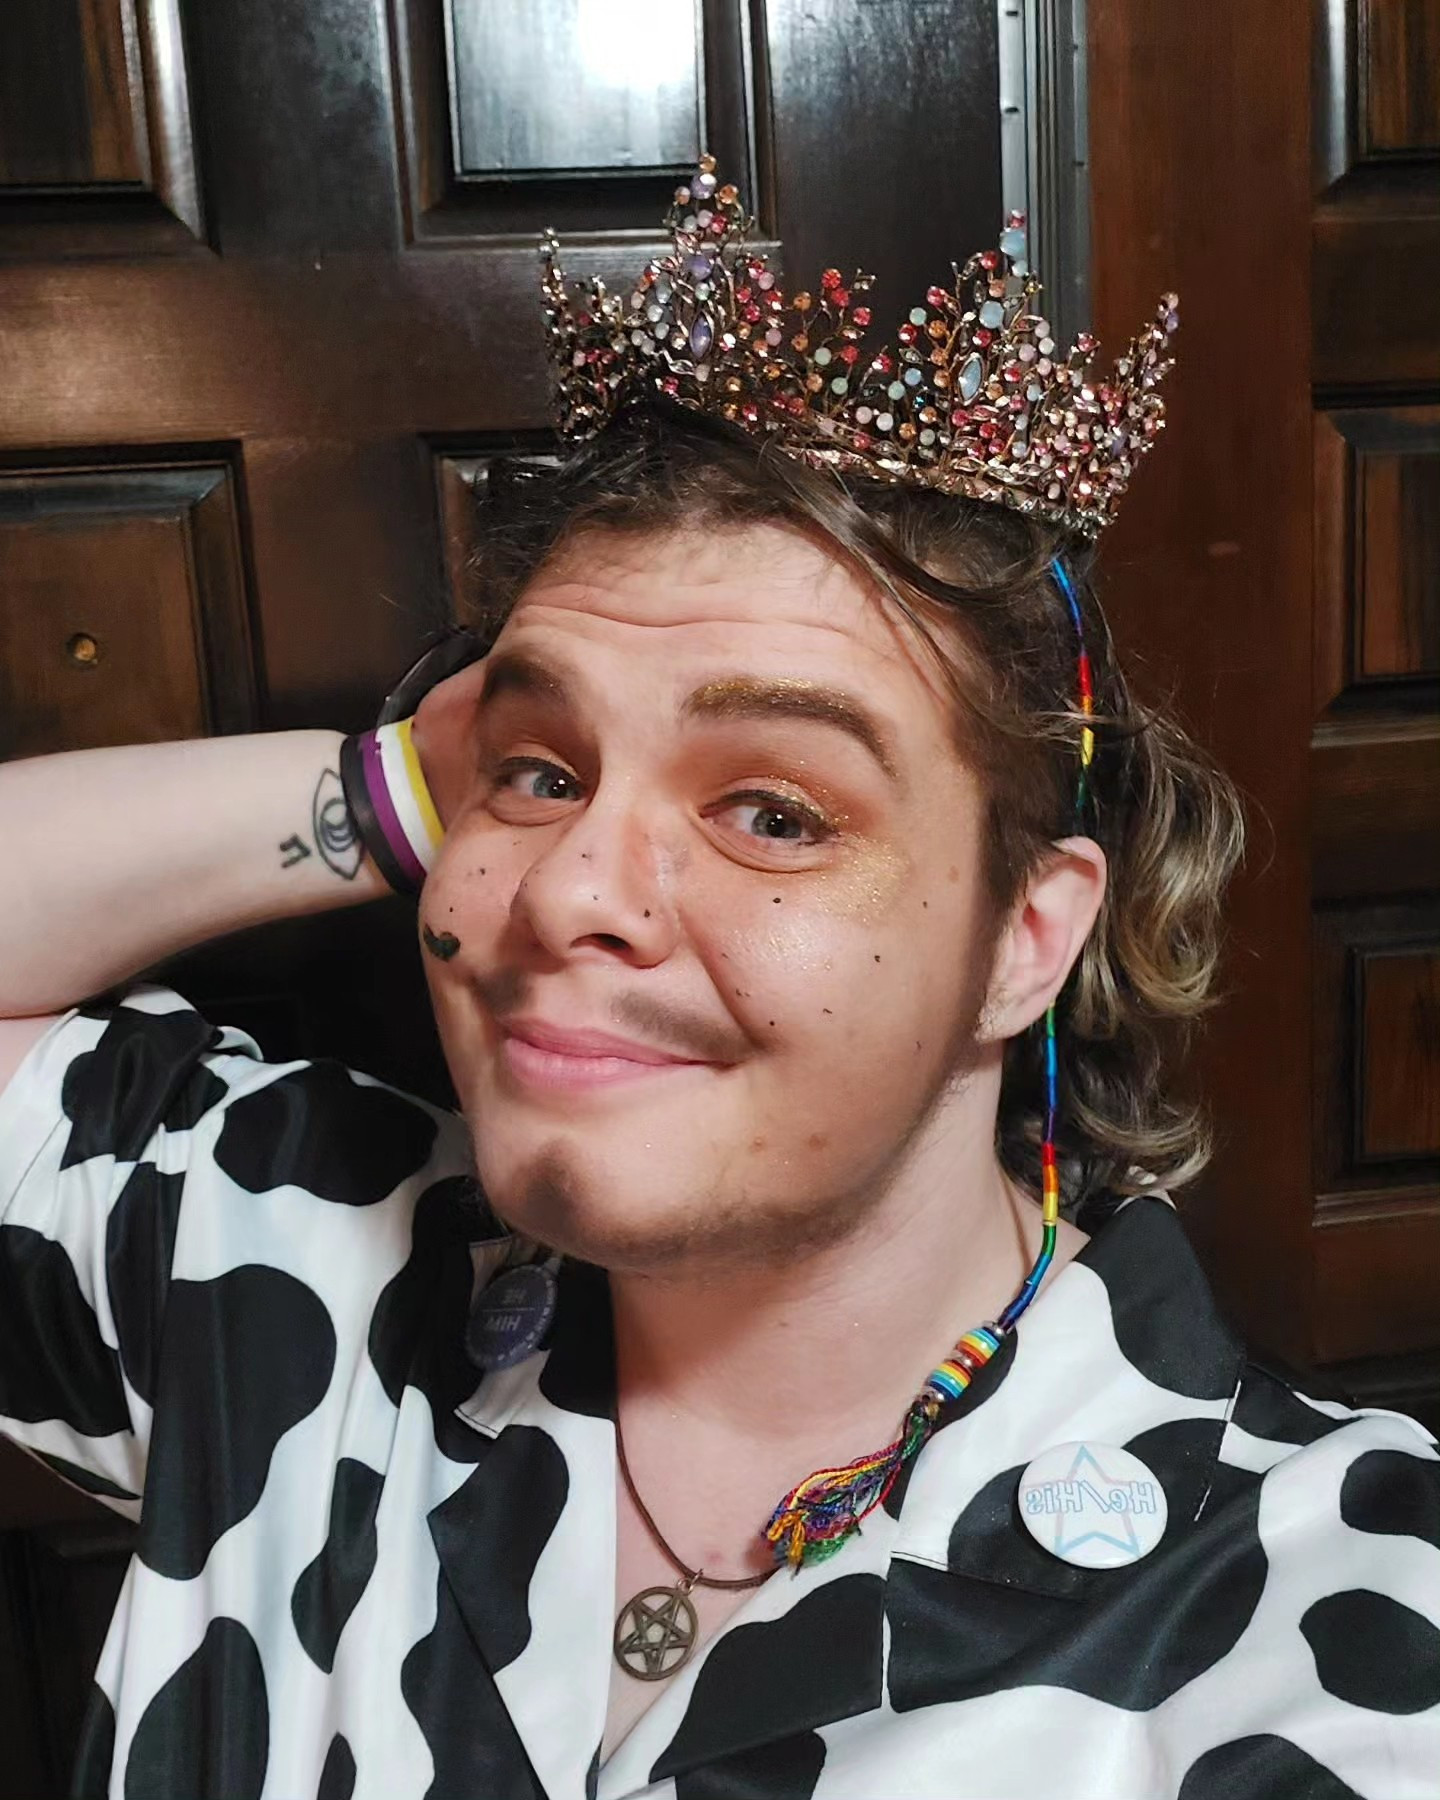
(117, 858)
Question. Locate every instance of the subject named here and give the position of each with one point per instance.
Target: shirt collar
(1124, 1345)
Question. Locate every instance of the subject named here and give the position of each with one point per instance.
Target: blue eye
(553, 784)
(533, 779)
(773, 820)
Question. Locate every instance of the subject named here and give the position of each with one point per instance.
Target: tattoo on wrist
(333, 828)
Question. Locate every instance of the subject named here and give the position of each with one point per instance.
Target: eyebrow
(745, 697)
(512, 672)
(730, 697)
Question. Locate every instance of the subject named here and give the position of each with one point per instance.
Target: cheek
(862, 960)
(471, 888)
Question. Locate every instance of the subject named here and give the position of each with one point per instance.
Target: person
(806, 903)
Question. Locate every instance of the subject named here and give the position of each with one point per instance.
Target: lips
(544, 1055)
(567, 1041)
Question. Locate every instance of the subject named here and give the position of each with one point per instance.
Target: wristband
(387, 794)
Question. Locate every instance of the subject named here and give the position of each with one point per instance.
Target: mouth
(552, 1058)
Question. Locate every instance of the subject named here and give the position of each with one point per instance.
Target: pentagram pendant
(655, 1633)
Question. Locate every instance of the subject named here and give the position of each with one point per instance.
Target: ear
(1043, 936)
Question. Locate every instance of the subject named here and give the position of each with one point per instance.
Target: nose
(601, 883)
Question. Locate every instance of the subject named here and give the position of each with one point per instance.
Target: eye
(522, 778)
(773, 822)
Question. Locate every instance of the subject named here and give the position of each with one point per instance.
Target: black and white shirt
(232, 1303)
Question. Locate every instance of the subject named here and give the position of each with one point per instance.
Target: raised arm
(117, 858)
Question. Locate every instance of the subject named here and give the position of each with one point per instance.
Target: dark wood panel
(1369, 334)
(122, 612)
(1400, 76)
(1206, 572)
(1376, 809)
(1375, 1283)
(71, 106)
(1408, 1384)
(1377, 556)
(1377, 99)
(1400, 611)
(464, 122)
(852, 186)
(552, 87)
(1399, 1072)
(97, 141)
(1376, 1050)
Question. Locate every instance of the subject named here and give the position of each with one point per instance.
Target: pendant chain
(692, 1577)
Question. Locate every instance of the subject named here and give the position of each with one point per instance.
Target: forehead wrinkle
(746, 697)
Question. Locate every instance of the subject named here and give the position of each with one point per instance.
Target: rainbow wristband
(386, 791)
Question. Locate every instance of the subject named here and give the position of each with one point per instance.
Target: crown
(973, 397)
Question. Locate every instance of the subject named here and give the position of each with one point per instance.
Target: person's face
(718, 818)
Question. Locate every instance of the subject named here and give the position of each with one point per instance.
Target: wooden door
(1279, 165)
(267, 299)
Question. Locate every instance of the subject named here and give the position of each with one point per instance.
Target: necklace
(655, 1632)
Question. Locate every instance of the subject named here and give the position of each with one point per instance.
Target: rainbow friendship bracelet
(818, 1515)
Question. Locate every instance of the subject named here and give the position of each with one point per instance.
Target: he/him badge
(511, 1316)
(1094, 1505)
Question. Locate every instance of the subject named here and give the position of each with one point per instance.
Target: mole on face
(443, 944)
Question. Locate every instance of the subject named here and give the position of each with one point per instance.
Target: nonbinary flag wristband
(386, 792)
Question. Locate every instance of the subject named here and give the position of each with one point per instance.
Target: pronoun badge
(511, 1316)
(1094, 1505)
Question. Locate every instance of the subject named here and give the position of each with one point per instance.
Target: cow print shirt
(232, 1304)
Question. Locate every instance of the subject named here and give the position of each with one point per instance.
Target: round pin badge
(1094, 1505)
(511, 1316)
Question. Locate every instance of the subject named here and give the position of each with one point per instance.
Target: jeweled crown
(974, 397)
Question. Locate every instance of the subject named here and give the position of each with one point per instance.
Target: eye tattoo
(442, 944)
(332, 826)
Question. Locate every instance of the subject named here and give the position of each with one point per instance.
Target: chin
(597, 1211)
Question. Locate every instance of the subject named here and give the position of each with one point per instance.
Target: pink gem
(841, 296)
(988, 259)
(830, 278)
(848, 353)
(982, 336)
(884, 364)
(861, 315)
(936, 296)
(959, 416)
(742, 293)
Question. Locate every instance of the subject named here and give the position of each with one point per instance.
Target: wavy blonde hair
(973, 580)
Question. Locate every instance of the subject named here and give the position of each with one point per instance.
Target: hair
(972, 580)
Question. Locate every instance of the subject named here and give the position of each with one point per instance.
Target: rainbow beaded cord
(820, 1513)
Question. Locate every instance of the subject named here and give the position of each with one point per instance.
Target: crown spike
(972, 396)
